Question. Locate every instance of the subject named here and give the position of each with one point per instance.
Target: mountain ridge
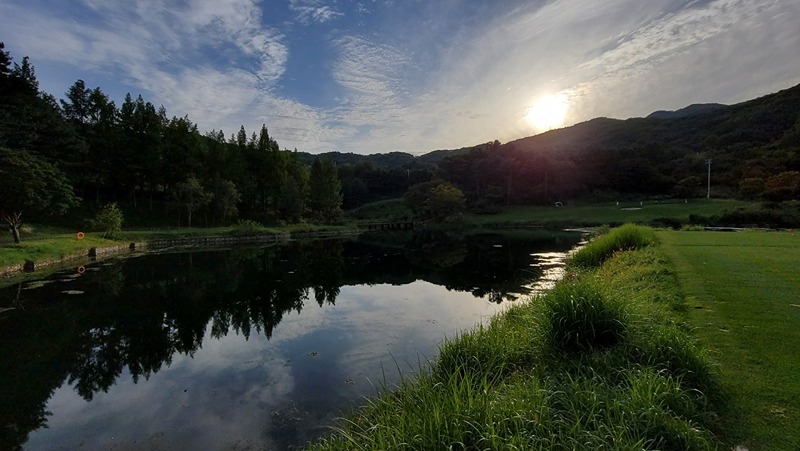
(697, 126)
(691, 110)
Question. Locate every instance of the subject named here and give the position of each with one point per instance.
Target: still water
(245, 347)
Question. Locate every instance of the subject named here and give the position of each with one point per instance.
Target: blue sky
(370, 76)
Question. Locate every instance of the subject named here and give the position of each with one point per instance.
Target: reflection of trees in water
(139, 313)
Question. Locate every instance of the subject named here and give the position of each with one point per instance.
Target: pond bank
(603, 360)
(94, 252)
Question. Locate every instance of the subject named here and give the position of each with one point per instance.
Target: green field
(744, 300)
(570, 214)
(609, 213)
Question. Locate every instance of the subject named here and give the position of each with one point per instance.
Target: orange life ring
(81, 270)
(79, 235)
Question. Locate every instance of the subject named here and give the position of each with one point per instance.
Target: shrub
(246, 227)
(108, 220)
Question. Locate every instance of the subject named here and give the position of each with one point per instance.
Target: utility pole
(708, 162)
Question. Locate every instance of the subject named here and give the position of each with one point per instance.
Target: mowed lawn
(744, 300)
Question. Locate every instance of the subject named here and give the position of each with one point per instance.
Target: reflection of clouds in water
(383, 335)
(261, 392)
(205, 402)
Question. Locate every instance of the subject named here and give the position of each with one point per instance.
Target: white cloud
(308, 11)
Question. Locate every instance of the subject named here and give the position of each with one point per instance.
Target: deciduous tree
(31, 184)
(191, 195)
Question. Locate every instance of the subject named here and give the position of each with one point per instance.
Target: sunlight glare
(548, 112)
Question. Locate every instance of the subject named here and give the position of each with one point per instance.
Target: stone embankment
(96, 252)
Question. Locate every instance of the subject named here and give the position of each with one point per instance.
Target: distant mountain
(388, 161)
(436, 156)
(690, 110)
(391, 160)
(749, 124)
(656, 155)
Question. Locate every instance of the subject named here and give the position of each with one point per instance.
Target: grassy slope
(744, 293)
(531, 379)
(46, 244)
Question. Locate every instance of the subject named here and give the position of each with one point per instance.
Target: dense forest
(61, 160)
(72, 155)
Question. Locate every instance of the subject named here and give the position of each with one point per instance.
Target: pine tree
(325, 196)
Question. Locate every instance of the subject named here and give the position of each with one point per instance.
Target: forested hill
(754, 147)
(389, 160)
(753, 123)
(663, 154)
(690, 110)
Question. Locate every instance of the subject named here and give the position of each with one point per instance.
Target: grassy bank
(744, 299)
(40, 243)
(602, 361)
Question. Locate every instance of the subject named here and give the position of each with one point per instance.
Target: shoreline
(31, 267)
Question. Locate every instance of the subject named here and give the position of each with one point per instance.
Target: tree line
(85, 150)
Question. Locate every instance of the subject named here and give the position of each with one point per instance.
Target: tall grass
(599, 362)
(581, 317)
(626, 237)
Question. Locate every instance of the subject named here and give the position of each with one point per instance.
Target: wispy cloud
(614, 58)
(308, 11)
(698, 53)
(375, 78)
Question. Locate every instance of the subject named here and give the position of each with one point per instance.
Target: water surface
(247, 347)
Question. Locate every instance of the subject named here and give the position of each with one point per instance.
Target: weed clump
(581, 317)
(624, 238)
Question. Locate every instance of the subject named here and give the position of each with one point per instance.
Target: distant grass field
(608, 213)
(570, 214)
(744, 300)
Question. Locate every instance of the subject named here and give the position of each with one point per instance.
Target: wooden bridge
(387, 225)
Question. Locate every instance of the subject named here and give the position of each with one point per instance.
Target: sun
(548, 112)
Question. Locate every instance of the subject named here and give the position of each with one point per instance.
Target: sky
(375, 76)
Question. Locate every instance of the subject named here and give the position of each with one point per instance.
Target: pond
(244, 347)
